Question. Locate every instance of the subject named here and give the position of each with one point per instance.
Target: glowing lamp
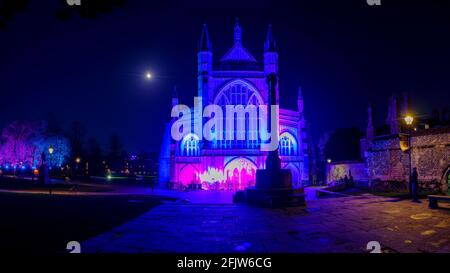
(78, 159)
(108, 177)
(148, 75)
(328, 160)
(409, 119)
(50, 150)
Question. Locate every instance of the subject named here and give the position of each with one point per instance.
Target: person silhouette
(152, 185)
(414, 185)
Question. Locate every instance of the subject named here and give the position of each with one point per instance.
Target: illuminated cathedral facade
(236, 79)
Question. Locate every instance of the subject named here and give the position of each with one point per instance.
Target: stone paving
(344, 224)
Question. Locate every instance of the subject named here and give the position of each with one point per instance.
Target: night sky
(343, 53)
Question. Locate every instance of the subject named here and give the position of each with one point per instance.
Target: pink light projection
(238, 174)
(212, 175)
(241, 173)
(188, 175)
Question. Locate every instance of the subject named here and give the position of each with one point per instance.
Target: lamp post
(50, 151)
(409, 120)
(77, 160)
(326, 171)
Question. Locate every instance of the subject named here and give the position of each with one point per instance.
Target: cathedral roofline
(238, 53)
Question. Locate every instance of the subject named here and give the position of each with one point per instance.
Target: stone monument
(273, 185)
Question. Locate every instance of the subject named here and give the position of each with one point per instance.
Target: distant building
(143, 164)
(237, 79)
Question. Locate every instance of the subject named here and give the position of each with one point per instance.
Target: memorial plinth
(273, 185)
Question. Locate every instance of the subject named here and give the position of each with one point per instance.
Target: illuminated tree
(24, 142)
(18, 142)
(61, 150)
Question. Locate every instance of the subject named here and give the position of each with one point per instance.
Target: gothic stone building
(236, 79)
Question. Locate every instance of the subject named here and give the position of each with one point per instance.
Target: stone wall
(430, 154)
(431, 157)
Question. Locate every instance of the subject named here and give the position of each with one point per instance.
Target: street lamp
(409, 121)
(50, 151)
(148, 75)
(77, 160)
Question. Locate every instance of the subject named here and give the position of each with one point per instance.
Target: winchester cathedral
(237, 78)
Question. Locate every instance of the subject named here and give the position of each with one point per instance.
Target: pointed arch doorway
(240, 173)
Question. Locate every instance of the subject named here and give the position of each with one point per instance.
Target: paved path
(344, 224)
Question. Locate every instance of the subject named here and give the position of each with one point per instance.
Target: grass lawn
(40, 224)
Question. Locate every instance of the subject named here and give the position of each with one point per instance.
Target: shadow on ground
(44, 224)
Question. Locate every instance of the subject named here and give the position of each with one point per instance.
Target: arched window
(190, 145)
(288, 144)
(240, 92)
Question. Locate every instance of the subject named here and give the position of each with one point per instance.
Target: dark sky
(343, 53)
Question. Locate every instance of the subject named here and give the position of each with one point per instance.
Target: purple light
(238, 174)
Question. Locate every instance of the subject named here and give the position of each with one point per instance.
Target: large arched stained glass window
(190, 145)
(240, 92)
(288, 144)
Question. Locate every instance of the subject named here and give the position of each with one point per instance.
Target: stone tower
(205, 63)
(392, 119)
